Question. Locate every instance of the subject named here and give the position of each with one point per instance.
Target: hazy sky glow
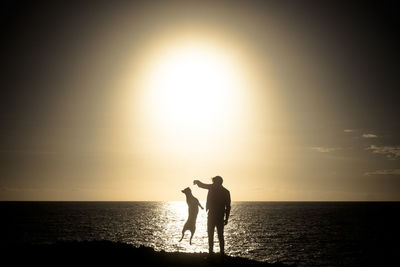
(115, 101)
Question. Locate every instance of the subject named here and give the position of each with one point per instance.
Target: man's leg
(210, 231)
(220, 231)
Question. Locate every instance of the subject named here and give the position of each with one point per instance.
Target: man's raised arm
(201, 185)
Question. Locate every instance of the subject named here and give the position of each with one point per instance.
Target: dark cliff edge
(106, 252)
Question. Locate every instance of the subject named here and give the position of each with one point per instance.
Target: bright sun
(193, 87)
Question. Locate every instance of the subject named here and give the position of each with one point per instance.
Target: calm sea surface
(305, 233)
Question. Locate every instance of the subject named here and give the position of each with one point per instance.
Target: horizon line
(255, 201)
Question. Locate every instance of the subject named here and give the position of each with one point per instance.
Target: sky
(117, 101)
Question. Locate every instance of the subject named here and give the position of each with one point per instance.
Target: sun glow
(194, 88)
(192, 103)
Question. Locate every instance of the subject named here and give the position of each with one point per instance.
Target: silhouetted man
(218, 204)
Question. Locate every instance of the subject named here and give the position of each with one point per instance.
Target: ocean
(301, 233)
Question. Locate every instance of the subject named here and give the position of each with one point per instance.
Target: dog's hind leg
(191, 236)
(185, 228)
(183, 233)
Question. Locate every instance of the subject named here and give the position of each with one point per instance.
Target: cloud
(391, 152)
(348, 130)
(384, 172)
(369, 135)
(325, 149)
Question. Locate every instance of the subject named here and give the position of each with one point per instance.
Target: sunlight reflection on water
(311, 234)
(176, 216)
(159, 225)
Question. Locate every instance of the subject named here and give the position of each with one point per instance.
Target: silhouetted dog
(194, 205)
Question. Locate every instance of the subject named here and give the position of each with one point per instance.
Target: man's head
(217, 180)
(187, 190)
